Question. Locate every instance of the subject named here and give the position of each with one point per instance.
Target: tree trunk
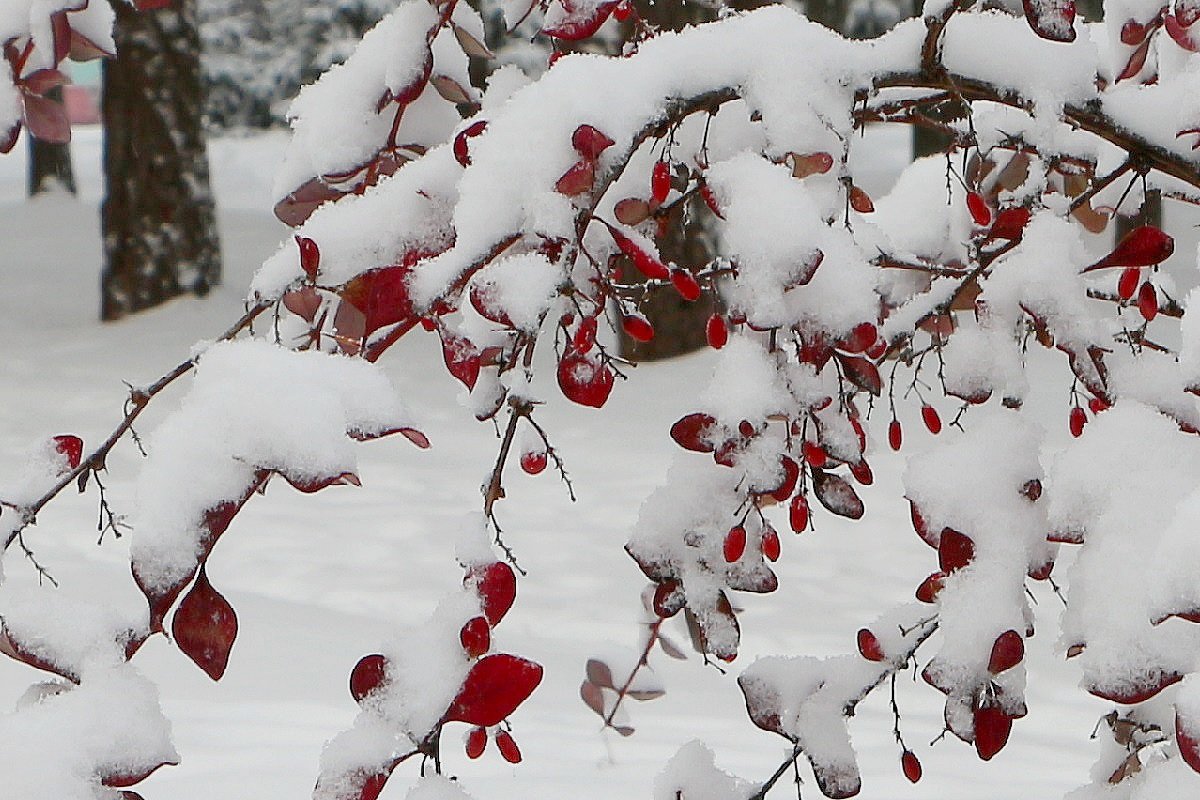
(50, 164)
(158, 217)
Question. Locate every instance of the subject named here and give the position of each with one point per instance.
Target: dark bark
(158, 217)
(50, 164)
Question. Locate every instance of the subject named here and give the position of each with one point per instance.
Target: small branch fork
(643, 661)
(94, 462)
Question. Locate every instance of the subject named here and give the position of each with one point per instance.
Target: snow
(320, 581)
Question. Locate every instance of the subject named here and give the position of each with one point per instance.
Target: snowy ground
(320, 580)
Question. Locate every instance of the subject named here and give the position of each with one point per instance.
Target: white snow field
(320, 580)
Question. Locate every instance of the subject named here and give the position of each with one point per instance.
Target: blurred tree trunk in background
(50, 164)
(158, 219)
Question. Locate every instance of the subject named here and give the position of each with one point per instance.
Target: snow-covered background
(320, 580)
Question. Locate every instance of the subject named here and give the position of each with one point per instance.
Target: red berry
(895, 434)
(980, 213)
(770, 544)
(1128, 282)
(1148, 301)
(534, 461)
(798, 513)
(716, 332)
(623, 11)
(310, 256)
(814, 454)
(862, 473)
(660, 181)
(868, 646)
(735, 543)
(475, 637)
(685, 283)
(638, 327)
(508, 748)
(1007, 652)
(1076, 421)
(1010, 223)
(476, 742)
(933, 422)
(910, 765)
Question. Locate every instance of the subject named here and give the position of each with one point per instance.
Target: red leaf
(1136, 61)
(46, 119)
(869, 647)
(43, 80)
(8, 138)
(929, 589)
(151, 5)
(584, 380)
(1180, 34)
(837, 495)
(315, 483)
(367, 676)
(124, 779)
(1141, 247)
(205, 627)
(461, 148)
(574, 27)
(71, 447)
(496, 585)
(304, 302)
(310, 256)
(1010, 223)
(992, 727)
(631, 211)
(1140, 691)
(692, 432)
(860, 201)
(862, 373)
(382, 295)
(578, 179)
(955, 550)
(1051, 19)
(462, 358)
(61, 30)
(589, 142)
(791, 474)
(494, 688)
(1007, 651)
(1189, 746)
(299, 205)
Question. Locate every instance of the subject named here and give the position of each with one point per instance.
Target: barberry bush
(523, 214)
